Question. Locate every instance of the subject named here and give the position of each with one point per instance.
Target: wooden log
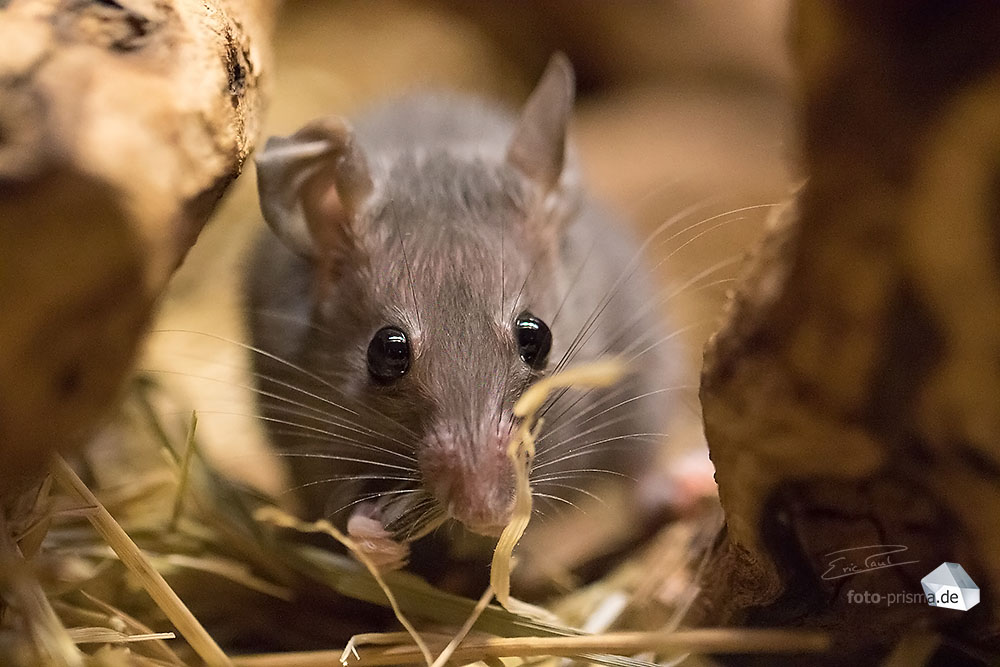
(122, 122)
(851, 397)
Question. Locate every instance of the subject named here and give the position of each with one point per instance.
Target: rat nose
(474, 483)
(480, 510)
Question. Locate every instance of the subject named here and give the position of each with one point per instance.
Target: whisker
(611, 394)
(366, 497)
(630, 269)
(346, 478)
(575, 281)
(415, 526)
(682, 331)
(625, 275)
(264, 353)
(278, 315)
(250, 388)
(562, 392)
(645, 311)
(576, 489)
(409, 273)
(360, 429)
(578, 472)
(328, 420)
(511, 315)
(299, 369)
(637, 320)
(422, 503)
(635, 206)
(320, 415)
(724, 221)
(620, 404)
(654, 304)
(344, 459)
(323, 434)
(542, 516)
(503, 277)
(430, 519)
(549, 496)
(548, 451)
(346, 425)
(588, 448)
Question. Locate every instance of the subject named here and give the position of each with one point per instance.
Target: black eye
(388, 354)
(534, 340)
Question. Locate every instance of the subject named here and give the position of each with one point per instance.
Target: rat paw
(371, 537)
(682, 491)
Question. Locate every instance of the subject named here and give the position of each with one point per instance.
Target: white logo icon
(949, 585)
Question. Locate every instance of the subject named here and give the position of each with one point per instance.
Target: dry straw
(209, 528)
(522, 451)
(136, 561)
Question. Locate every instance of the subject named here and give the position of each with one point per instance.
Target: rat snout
(473, 482)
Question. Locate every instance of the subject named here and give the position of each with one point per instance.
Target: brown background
(681, 106)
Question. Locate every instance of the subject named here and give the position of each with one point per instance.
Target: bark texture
(851, 398)
(121, 125)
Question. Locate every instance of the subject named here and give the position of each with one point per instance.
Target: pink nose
(477, 491)
(481, 510)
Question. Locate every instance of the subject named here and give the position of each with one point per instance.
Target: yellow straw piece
(521, 451)
(283, 519)
(139, 565)
(702, 641)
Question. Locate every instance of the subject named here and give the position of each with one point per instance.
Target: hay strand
(446, 654)
(50, 639)
(283, 519)
(139, 565)
(185, 473)
(701, 641)
(521, 451)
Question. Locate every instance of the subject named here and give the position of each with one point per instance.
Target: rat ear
(312, 186)
(538, 148)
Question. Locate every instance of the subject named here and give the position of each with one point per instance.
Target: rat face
(453, 327)
(434, 272)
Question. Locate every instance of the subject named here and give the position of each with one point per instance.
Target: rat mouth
(480, 510)
(486, 528)
(484, 514)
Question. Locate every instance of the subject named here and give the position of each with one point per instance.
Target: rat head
(436, 267)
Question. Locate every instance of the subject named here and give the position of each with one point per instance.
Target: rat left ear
(312, 186)
(538, 148)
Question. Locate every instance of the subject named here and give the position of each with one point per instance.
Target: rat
(422, 267)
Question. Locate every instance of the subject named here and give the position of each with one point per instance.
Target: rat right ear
(312, 186)
(538, 148)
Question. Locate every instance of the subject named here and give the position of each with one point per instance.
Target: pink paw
(375, 541)
(690, 480)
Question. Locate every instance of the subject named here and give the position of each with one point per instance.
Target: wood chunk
(121, 125)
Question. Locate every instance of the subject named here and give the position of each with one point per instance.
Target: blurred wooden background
(680, 105)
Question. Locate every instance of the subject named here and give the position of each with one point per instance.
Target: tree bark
(122, 123)
(851, 397)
